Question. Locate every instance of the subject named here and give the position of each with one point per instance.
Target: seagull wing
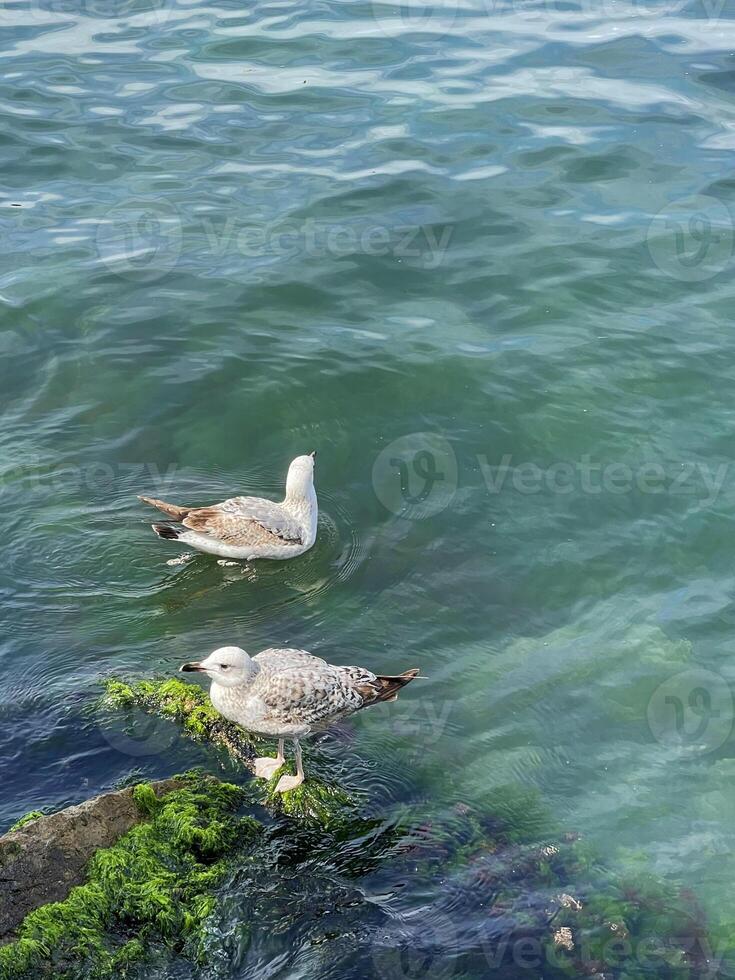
(246, 521)
(298, 689)
(278, 658)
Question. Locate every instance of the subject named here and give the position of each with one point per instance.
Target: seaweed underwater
(517, 897)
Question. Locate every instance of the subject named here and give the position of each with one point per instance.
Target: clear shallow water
(480, 257)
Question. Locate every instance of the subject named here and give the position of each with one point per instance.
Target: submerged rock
(189, 706)
(503, 907)
(43, 857)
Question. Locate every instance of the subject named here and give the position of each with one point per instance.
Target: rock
(43, 860)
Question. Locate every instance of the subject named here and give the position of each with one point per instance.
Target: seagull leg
(285, 783)
(265, 767)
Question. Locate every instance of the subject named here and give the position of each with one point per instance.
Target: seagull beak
(190, 668)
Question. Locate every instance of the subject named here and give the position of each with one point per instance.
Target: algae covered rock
(186, 704)
(312, 802)
(154, 886)
(28, 818)
(43, 857)
(197, 881)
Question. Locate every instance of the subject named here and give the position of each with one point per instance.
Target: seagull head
(300, 479)
(228, 666)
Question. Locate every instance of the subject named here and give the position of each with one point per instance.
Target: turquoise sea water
(480, 256)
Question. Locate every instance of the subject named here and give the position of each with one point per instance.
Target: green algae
(312, 802)
(187, 705)
(154, 886)
(28, 818)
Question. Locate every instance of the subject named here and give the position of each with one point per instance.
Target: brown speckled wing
(306, 692)
(245, 522)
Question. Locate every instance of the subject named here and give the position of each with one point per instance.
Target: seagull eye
(225, 666)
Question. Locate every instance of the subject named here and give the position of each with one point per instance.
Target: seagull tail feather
(390, 684)
(178, 513)
(166, 531)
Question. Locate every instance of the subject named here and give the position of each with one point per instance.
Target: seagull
(250, 527)
(289, 694)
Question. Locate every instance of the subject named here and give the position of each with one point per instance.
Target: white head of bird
(300, 479)
(228, 666)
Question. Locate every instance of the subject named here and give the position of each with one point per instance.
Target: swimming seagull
(289, 694)
(250, 527)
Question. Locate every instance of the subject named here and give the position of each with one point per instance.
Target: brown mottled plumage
(244, 520)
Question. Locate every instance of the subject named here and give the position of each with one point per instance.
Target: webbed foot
(285, 783)
(266, 768)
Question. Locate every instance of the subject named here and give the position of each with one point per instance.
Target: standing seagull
(250, 527)
(290, 693)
